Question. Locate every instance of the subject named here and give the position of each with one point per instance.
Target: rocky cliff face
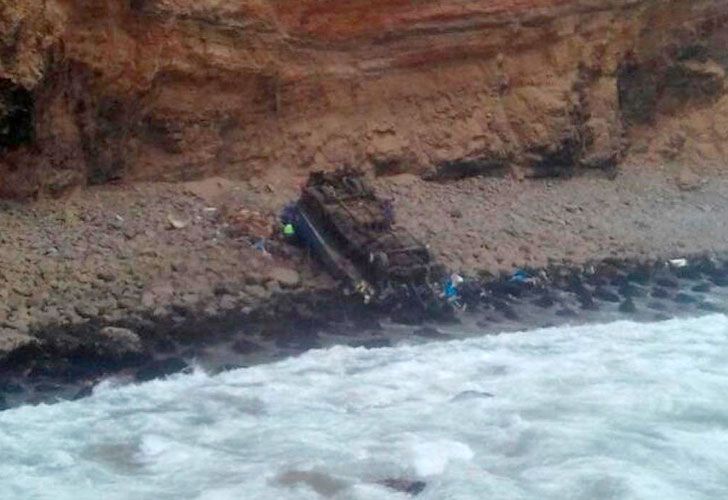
(97, 90)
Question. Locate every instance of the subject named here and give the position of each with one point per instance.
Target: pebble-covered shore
(67, 361)
(121, 277)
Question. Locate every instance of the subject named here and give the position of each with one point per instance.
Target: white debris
(177, 222)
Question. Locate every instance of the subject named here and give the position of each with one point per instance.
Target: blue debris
(450, 291)
(521, 276)
(260, 246)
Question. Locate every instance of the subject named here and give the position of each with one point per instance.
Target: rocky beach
(108, 252)
(147, 279)
(147, 147)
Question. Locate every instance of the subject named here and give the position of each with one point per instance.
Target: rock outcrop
(97, 90)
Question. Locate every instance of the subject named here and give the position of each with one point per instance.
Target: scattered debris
(260, 246)
(521, 276)
(450, 291)
(176, 222)
(288, 230)
(250, 223)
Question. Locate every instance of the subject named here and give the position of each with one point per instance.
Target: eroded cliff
(96, 90)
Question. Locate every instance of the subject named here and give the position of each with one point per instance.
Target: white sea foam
(611, 411)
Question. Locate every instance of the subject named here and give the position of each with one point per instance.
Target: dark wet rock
(702, 288)
(492, 318)
(506, 309)
(619, 280)
(47, 387)
(584, 296)
(365, 322)
(605, 273)
(710, 307)
(3, 403)
(12, 341)
(408, 486)
(323, 484)
(566, 313)
(598, 281)
(430, 333)
(10, 387)
(298, 341)
(160, 368)
(640, 276)
(657, 306)
(630, 290)
(50, 369)
(667, 282)
(707, 265)
(587, 302)
(472, 292)
(374, 343)
(83, 392)
(505, 289)
(545, 301)
(720, 280)
(628, 306)
(685, 298)
(74, 355)
(407, 316)
(688, 273)
(606, 295)
(227, 367)
(245, 346)
(662, 317)
(576, 286)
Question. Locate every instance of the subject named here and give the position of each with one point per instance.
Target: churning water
(622, 411)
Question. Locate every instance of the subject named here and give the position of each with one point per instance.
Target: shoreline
(68, 361)
(105, 280)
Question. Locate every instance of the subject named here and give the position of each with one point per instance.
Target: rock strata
(98, 91)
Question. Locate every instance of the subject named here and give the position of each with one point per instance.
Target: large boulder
(119, 343)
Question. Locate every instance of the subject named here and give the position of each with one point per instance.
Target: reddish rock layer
(92, 90)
